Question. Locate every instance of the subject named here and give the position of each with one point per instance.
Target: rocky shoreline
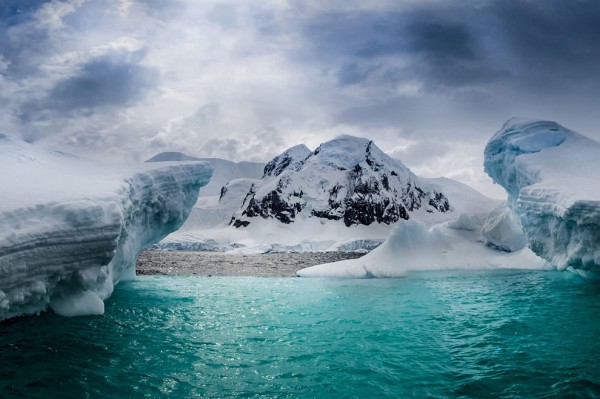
(195, 263)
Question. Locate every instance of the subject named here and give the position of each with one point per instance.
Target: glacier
(70, 229)
(551, 176)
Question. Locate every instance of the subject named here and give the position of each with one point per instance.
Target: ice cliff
(71, 229)
(551, 175)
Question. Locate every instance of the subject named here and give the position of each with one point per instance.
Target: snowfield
(552, 177)
(342, 196)
(71, 229)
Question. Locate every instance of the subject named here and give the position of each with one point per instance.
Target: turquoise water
(436, 334)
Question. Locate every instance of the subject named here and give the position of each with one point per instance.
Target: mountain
(345, 195)
(348, 179)
(224, 170)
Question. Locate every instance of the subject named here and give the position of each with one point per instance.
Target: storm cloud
(125, 79)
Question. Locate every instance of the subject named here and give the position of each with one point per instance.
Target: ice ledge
(67, 251)
(551, 176)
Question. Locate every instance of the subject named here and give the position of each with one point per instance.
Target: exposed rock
(348, 178)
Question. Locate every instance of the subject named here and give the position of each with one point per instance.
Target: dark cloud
(22, 43)
(449, 54)
(556, 40)
(351, 73)
(99, 83)
(111, 74)
(14, 12)
(463, 44)
(443, 41)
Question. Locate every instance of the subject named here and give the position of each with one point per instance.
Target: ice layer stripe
(69, 254)
(551, 175)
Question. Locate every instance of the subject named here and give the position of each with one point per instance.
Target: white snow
(223, 170)
(482, 234)
(551, 175)
(291, 159)
(503, 229)
(456, 244)
(71, 229)
(208, 227)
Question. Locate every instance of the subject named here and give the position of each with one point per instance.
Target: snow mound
(71, 229)
(551, 176)
(456, 244)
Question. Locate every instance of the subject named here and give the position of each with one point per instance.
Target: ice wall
(551, 175)
(70, 230)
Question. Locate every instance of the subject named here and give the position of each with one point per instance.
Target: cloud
(126, 79)
(100, 83)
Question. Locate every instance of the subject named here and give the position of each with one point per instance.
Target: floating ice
(551, 175)
(412, 245)
(71, 229)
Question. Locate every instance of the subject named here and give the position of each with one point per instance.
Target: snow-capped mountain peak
(289, 159)
(347, 178)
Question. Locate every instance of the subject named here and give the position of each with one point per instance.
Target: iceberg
(502, 229)
(70, 229)
(551, 176)
(412, 245)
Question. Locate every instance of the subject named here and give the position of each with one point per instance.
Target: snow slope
(317, 176)
(347, 179)
(71, 229)
(223, 170)
(551, 175)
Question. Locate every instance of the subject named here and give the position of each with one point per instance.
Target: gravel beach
(187, 263)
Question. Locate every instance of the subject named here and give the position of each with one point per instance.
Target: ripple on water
(432, 334)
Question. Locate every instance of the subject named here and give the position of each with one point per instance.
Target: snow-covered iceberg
(412, 245)
(71, 229)
(552, 177)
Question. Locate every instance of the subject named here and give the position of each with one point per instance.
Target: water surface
(431, 334)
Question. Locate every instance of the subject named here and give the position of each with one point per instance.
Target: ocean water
(482, 334)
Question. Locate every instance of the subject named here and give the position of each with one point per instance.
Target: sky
(429, 81)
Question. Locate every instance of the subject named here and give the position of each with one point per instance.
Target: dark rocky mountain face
(289, 160)
(347, 179)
